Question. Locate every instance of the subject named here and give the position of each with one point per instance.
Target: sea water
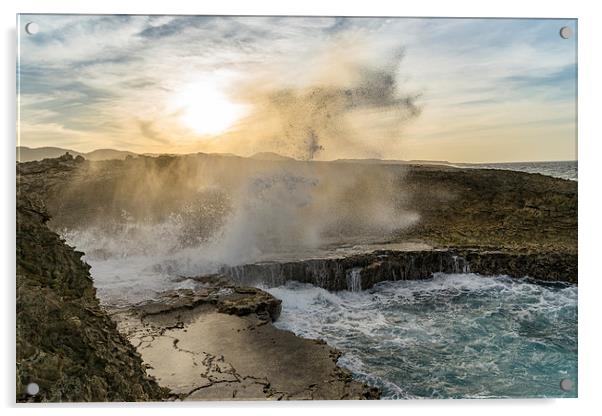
(452, 336)
(562, 169)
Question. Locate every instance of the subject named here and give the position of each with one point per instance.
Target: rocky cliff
(66, 343)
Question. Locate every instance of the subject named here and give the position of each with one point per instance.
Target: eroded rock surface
(492, 209)
(66, 343)
(200, 353)
(362, 271)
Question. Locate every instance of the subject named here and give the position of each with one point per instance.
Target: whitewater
(452, 336)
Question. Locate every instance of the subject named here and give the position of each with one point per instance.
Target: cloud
(92, 74)
(174, 26)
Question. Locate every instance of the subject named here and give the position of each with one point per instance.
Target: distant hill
(27, 154)
(430, 162)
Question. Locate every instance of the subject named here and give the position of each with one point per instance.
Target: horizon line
(299, 160)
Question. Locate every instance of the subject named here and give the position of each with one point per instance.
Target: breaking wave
(134, 257)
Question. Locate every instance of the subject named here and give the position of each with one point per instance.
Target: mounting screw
(32, 28)
(566, 384)
(565, 32)
(32, 389)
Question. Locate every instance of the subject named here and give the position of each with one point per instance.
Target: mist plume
(341, 107)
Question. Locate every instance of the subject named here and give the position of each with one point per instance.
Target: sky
(312, 88)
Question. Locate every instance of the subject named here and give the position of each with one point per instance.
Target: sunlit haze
(462, 90)
(206, 109)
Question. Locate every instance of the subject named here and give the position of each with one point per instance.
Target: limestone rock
(65, 342)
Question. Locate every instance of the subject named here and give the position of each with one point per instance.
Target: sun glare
(207, 110)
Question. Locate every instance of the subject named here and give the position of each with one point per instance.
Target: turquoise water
(453, 336)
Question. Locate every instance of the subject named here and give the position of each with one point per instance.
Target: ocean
(562, 169)
(452, 336)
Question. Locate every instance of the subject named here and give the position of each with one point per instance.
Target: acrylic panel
(295, 208)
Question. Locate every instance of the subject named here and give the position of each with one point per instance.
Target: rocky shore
(458, 208)
(362, 271)
(218, 342)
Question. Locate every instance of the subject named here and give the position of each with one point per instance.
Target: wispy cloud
(488, 89)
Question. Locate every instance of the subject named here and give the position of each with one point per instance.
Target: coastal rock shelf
(362, 271)
(218, 343)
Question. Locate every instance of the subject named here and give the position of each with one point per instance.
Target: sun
(207, 110)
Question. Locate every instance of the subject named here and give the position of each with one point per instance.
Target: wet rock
(363, 271)
(218, 343)
(545, 266)
(222, 294)
(244, 301)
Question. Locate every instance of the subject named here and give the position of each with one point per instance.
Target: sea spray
(182, 229)
(272, 213)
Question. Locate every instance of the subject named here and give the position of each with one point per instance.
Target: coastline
(458, 231)
(219, 340)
